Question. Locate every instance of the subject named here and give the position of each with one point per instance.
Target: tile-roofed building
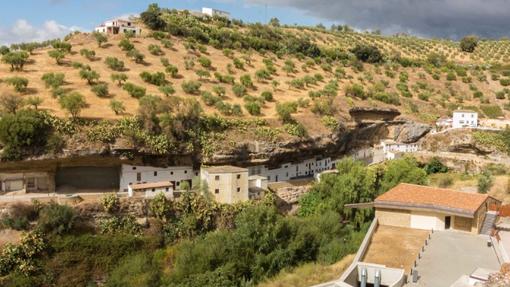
(423, 207)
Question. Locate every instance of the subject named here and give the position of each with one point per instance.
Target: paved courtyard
(452, 254)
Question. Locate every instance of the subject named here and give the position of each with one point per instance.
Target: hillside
(298, 80)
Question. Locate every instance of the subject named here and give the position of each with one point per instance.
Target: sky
(37, 20)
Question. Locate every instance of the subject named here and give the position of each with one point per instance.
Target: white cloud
(24, 31)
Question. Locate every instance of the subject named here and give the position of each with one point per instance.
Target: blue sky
(43, 19)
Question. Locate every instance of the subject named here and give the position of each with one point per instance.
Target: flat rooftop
(395, 247)
(452, 254)
(225, 169)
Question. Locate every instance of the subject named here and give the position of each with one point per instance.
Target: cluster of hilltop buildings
(469, 119)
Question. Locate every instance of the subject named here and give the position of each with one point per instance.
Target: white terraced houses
(287, 171)
(131, 175)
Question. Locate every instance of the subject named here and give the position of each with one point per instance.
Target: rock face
(370, 115)
(458, 140)
(411, 132)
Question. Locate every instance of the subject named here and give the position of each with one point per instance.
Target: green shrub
(485, 182)
(110, 203)
(253, 108)
(209, 99)
(119, 225)
(114, 64)
(155, 50)
(239, 90)
(267, 96)
(126, 45)
(172, 70)
(134, 90)
(119, 78)
(101, 90)
(167, 90)
(19, 83)
(136, 56)
(89, 54)
(53, 80)
(117, 107)
(355, 91)
(505, 82)
(17, 59)
(191, 87)
(89, 75)
(57, 219)
(219, 91)
(368, 54)
(205, 62)
(468, 44)
(285, 111)
(133, 271)
(295, 129)
(157, 78)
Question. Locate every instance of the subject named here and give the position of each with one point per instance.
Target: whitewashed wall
(150, 174)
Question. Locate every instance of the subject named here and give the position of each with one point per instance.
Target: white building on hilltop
(214, 12)
(118, 26)
(464, 119)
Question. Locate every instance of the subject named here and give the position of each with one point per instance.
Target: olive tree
(73, 102)
(16, 59)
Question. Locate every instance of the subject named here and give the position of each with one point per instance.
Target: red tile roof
(408, 196)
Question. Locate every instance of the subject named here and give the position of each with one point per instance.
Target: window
(269, 178)
(138, 176)
(130, 183)
(196, 173)
(238, 189)
(166, 189)
(217, 178)
(185, 171)
(153, 190)
(216, 191)
(178, 183)
(238, 176)
(30, 183)
(171, 173)
(155, 173)
(134, 167)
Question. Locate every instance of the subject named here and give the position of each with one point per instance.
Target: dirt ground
(395, 247)
(9, 236)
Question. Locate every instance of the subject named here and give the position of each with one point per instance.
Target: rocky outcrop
(411, 132)
(364, 115)
(458, 140)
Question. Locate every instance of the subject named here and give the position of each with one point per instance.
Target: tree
(100, 38)
(155, 50)
(253, 108)
(89, 54)
(126, 45)
(485, 182)
(53, 80)
(435, 166)
(56, 219)
(114, 63)
(136, 56)
(62, 46)
(58, 55)
(468, 44)
(25, 132)
(239, 90)
(220, 91)
(167, 90)
(191, 87)
(119, 78)
(151, 17)
(203, 74)
(285, 111)
(101, 90)
(34, 101)
(134, 90)
(73, 103)
(19, 83)
(11, 103)
(274, 22)
(404, 170)
(16, 59)
(368, 54)
(89, 75)
(117, 107)
(246, 81)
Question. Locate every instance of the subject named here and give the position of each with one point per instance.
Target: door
(447, 222)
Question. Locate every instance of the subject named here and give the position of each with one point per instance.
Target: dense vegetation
(194, 241)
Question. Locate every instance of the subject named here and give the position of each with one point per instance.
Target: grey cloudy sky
(431, 18)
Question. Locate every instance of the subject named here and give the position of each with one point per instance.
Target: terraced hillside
(298, 80)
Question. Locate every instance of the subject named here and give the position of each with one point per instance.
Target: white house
(444, 124)
(175, 175)
(464, 119)
(118, 26)
(214, 12)
(152, 189)
(228, 184)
